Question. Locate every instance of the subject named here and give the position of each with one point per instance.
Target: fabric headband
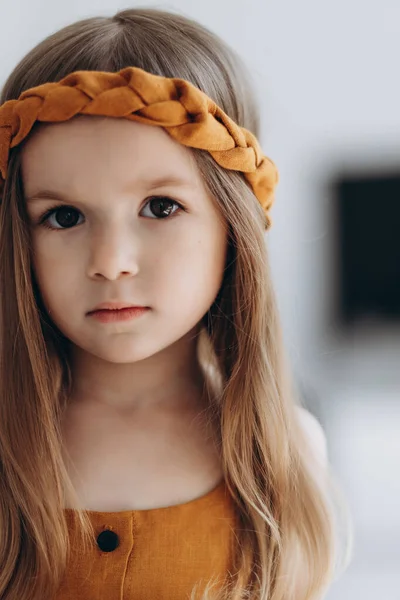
(183, 110)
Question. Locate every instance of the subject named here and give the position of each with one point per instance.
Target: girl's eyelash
(45, 216)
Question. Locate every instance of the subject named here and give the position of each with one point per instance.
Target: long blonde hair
(288, 543)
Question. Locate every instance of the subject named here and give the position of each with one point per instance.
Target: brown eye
(161, 206)
(66, 217)
(60, 217)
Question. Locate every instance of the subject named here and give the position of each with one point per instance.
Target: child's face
(114, 245)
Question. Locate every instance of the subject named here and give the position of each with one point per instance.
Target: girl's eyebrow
(176, 180)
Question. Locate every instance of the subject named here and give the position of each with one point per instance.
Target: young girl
(157, 451)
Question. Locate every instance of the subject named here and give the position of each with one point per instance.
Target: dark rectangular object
(368, 247)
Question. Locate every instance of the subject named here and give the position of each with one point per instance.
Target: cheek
(194, 276)
(55, 279)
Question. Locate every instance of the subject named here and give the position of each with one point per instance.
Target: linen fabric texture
(183, 110)
(161, 553)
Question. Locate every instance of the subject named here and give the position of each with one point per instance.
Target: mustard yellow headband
(183, 110)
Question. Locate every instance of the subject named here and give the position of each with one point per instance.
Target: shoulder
(314, 433)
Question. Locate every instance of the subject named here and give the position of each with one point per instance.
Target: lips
(122, 314)
(115, 306)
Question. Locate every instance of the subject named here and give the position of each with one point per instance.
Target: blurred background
(326, 78)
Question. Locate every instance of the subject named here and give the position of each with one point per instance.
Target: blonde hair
(288, 544)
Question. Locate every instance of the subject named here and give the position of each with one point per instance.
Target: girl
(156, 451)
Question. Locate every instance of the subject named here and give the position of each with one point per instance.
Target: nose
(113, 253)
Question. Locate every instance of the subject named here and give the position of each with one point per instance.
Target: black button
(108, 540)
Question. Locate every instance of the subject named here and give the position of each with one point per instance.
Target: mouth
(116, 306)
(120, 314)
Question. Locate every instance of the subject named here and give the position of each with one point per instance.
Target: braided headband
(184, 111)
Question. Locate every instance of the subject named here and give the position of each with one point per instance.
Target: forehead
(98, 150)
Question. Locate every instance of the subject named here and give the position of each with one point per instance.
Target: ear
(315, 435)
